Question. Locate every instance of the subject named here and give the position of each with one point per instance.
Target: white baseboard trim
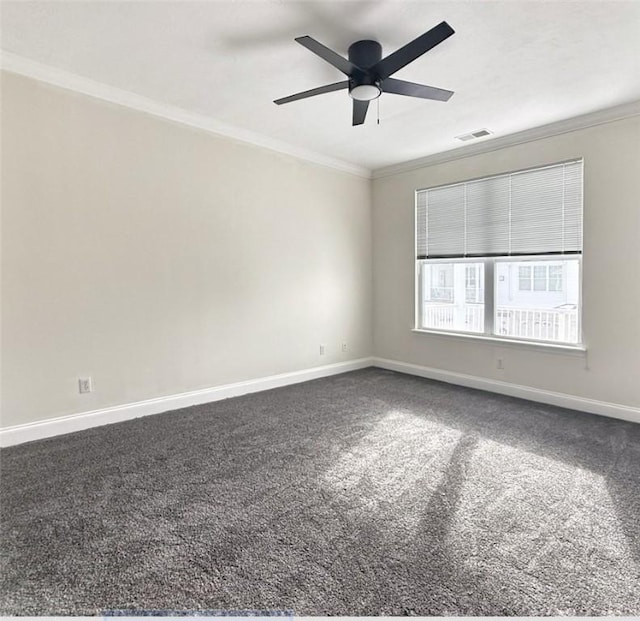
(18, 434)
(604, 408)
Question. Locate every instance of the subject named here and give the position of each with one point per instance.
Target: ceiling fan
(369, 73)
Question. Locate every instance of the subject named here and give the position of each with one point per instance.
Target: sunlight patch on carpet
(535, 524)
(401, 461)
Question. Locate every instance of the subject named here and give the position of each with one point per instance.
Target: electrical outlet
(85, 385)
(323, 350)
(344, 346)
(499, 363)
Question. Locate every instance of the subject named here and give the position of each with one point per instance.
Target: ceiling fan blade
(359, 111)
(344, 65)
(314, 91)
(411, 89)
(409, 52)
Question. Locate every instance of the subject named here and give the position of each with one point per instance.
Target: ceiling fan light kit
(365, 92)
(369, 74)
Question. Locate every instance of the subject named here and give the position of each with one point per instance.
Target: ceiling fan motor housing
(364, 54)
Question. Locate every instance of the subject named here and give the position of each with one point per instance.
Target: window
(501, 256)
(555, 278)
(525, 278)
(546, 277)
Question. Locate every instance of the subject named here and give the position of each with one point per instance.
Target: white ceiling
(512, 64)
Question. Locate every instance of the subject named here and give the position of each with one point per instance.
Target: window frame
(490, 304)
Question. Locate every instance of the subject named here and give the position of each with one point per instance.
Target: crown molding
(15, 63)
(584, 121)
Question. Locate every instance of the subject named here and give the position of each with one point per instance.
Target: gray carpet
(362, 494)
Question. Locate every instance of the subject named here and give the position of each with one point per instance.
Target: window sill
(571, 350)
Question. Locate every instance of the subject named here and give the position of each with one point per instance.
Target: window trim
(562, 348)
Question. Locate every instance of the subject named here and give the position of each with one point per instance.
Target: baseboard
(18, 434)
(604, 408)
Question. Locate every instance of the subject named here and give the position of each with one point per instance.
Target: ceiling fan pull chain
(378, 100)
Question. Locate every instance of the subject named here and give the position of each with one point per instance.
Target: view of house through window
(543, 305)
(457, 303)
(547, 309)
(501, 256)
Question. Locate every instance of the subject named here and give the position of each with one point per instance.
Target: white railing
(474, 317)
(556, 325)
(449, 317)
(440, 317)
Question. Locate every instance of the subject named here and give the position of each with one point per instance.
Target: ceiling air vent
(478, 133)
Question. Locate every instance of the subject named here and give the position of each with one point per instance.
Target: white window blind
(530, 212)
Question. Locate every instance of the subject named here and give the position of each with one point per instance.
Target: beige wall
(160, 259)
(610, 371)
